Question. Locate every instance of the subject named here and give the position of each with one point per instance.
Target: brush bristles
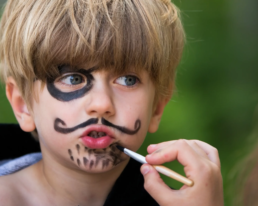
(120, 148)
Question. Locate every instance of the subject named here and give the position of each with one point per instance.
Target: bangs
(119, 35)
(115, 35)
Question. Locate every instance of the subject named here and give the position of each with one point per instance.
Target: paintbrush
(163, 170)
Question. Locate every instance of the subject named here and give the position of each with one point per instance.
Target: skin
(71, 174)
(201, 164)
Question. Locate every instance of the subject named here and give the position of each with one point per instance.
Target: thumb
(155, 186)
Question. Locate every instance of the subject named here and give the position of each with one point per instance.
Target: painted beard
(99, 159)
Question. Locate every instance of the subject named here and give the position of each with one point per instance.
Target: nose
(101, 101)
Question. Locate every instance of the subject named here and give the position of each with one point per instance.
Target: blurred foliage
(217, 87)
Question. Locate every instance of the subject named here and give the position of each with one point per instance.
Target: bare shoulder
(8, 192)
(15, 189)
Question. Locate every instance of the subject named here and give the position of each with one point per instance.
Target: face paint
(78, 148)
(90, 158)
(63, 130)
(70, 154)
(57, 122)
(91, 164)
(137, 126)
(68, 96)
(79, 162)
(93, 158)
(85, 161)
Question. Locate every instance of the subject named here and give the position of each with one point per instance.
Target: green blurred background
(217, 87)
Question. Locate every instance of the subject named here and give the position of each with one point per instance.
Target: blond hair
(37, 36)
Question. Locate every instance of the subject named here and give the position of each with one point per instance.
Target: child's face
(81, 116)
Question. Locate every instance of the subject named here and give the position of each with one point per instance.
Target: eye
(127, 80)
(70, 82)
(73, 79)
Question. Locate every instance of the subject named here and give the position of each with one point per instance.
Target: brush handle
(164, 170)
(170, 173)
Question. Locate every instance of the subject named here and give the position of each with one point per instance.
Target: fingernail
(145, 170)
(153, 145)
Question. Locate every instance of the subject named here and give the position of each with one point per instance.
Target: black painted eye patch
(68, 96)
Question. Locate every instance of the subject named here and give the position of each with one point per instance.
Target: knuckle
(181, 143)
(216, 168)
(215, 151)
(151, 184)
(209, 170)
(206, 168)
(148, 185)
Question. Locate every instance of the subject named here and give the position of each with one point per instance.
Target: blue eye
(73, 79)
(127, 80)
(71, 85)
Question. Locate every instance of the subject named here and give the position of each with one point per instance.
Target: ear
(19, 106)
(157, 114)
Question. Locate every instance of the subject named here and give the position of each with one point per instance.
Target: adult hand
(201, 164)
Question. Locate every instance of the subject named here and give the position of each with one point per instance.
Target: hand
(201, 164)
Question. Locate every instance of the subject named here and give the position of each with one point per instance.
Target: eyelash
(85, 79)
(130, 75)
(71, 74)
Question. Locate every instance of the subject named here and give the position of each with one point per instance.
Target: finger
(155, 186)
(153, 147)
(210, 151)
(198, 149)
(179, 150)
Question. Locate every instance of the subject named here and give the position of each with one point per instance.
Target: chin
(100, 168)
(96, 160)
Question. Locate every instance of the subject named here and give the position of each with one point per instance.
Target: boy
(89, 75)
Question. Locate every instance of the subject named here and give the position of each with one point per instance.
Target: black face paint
(95, 157)
(78, 148)
(125, 130)
(85, 161)
(70, 154)
(78, 162)
(69, 130)
(91, 164)
(68, 96)
(105, 163)
(137, 126)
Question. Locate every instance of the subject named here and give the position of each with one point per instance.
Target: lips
(97, 137)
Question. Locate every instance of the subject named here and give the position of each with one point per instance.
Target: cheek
(129, 115)
(130, 108)
(46, 110)
(135, 107)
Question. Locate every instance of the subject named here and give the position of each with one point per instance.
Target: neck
(66, 186)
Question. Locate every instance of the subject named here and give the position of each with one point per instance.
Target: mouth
(97, 137)
(96, 134)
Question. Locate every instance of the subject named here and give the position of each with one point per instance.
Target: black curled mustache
(65, 130)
